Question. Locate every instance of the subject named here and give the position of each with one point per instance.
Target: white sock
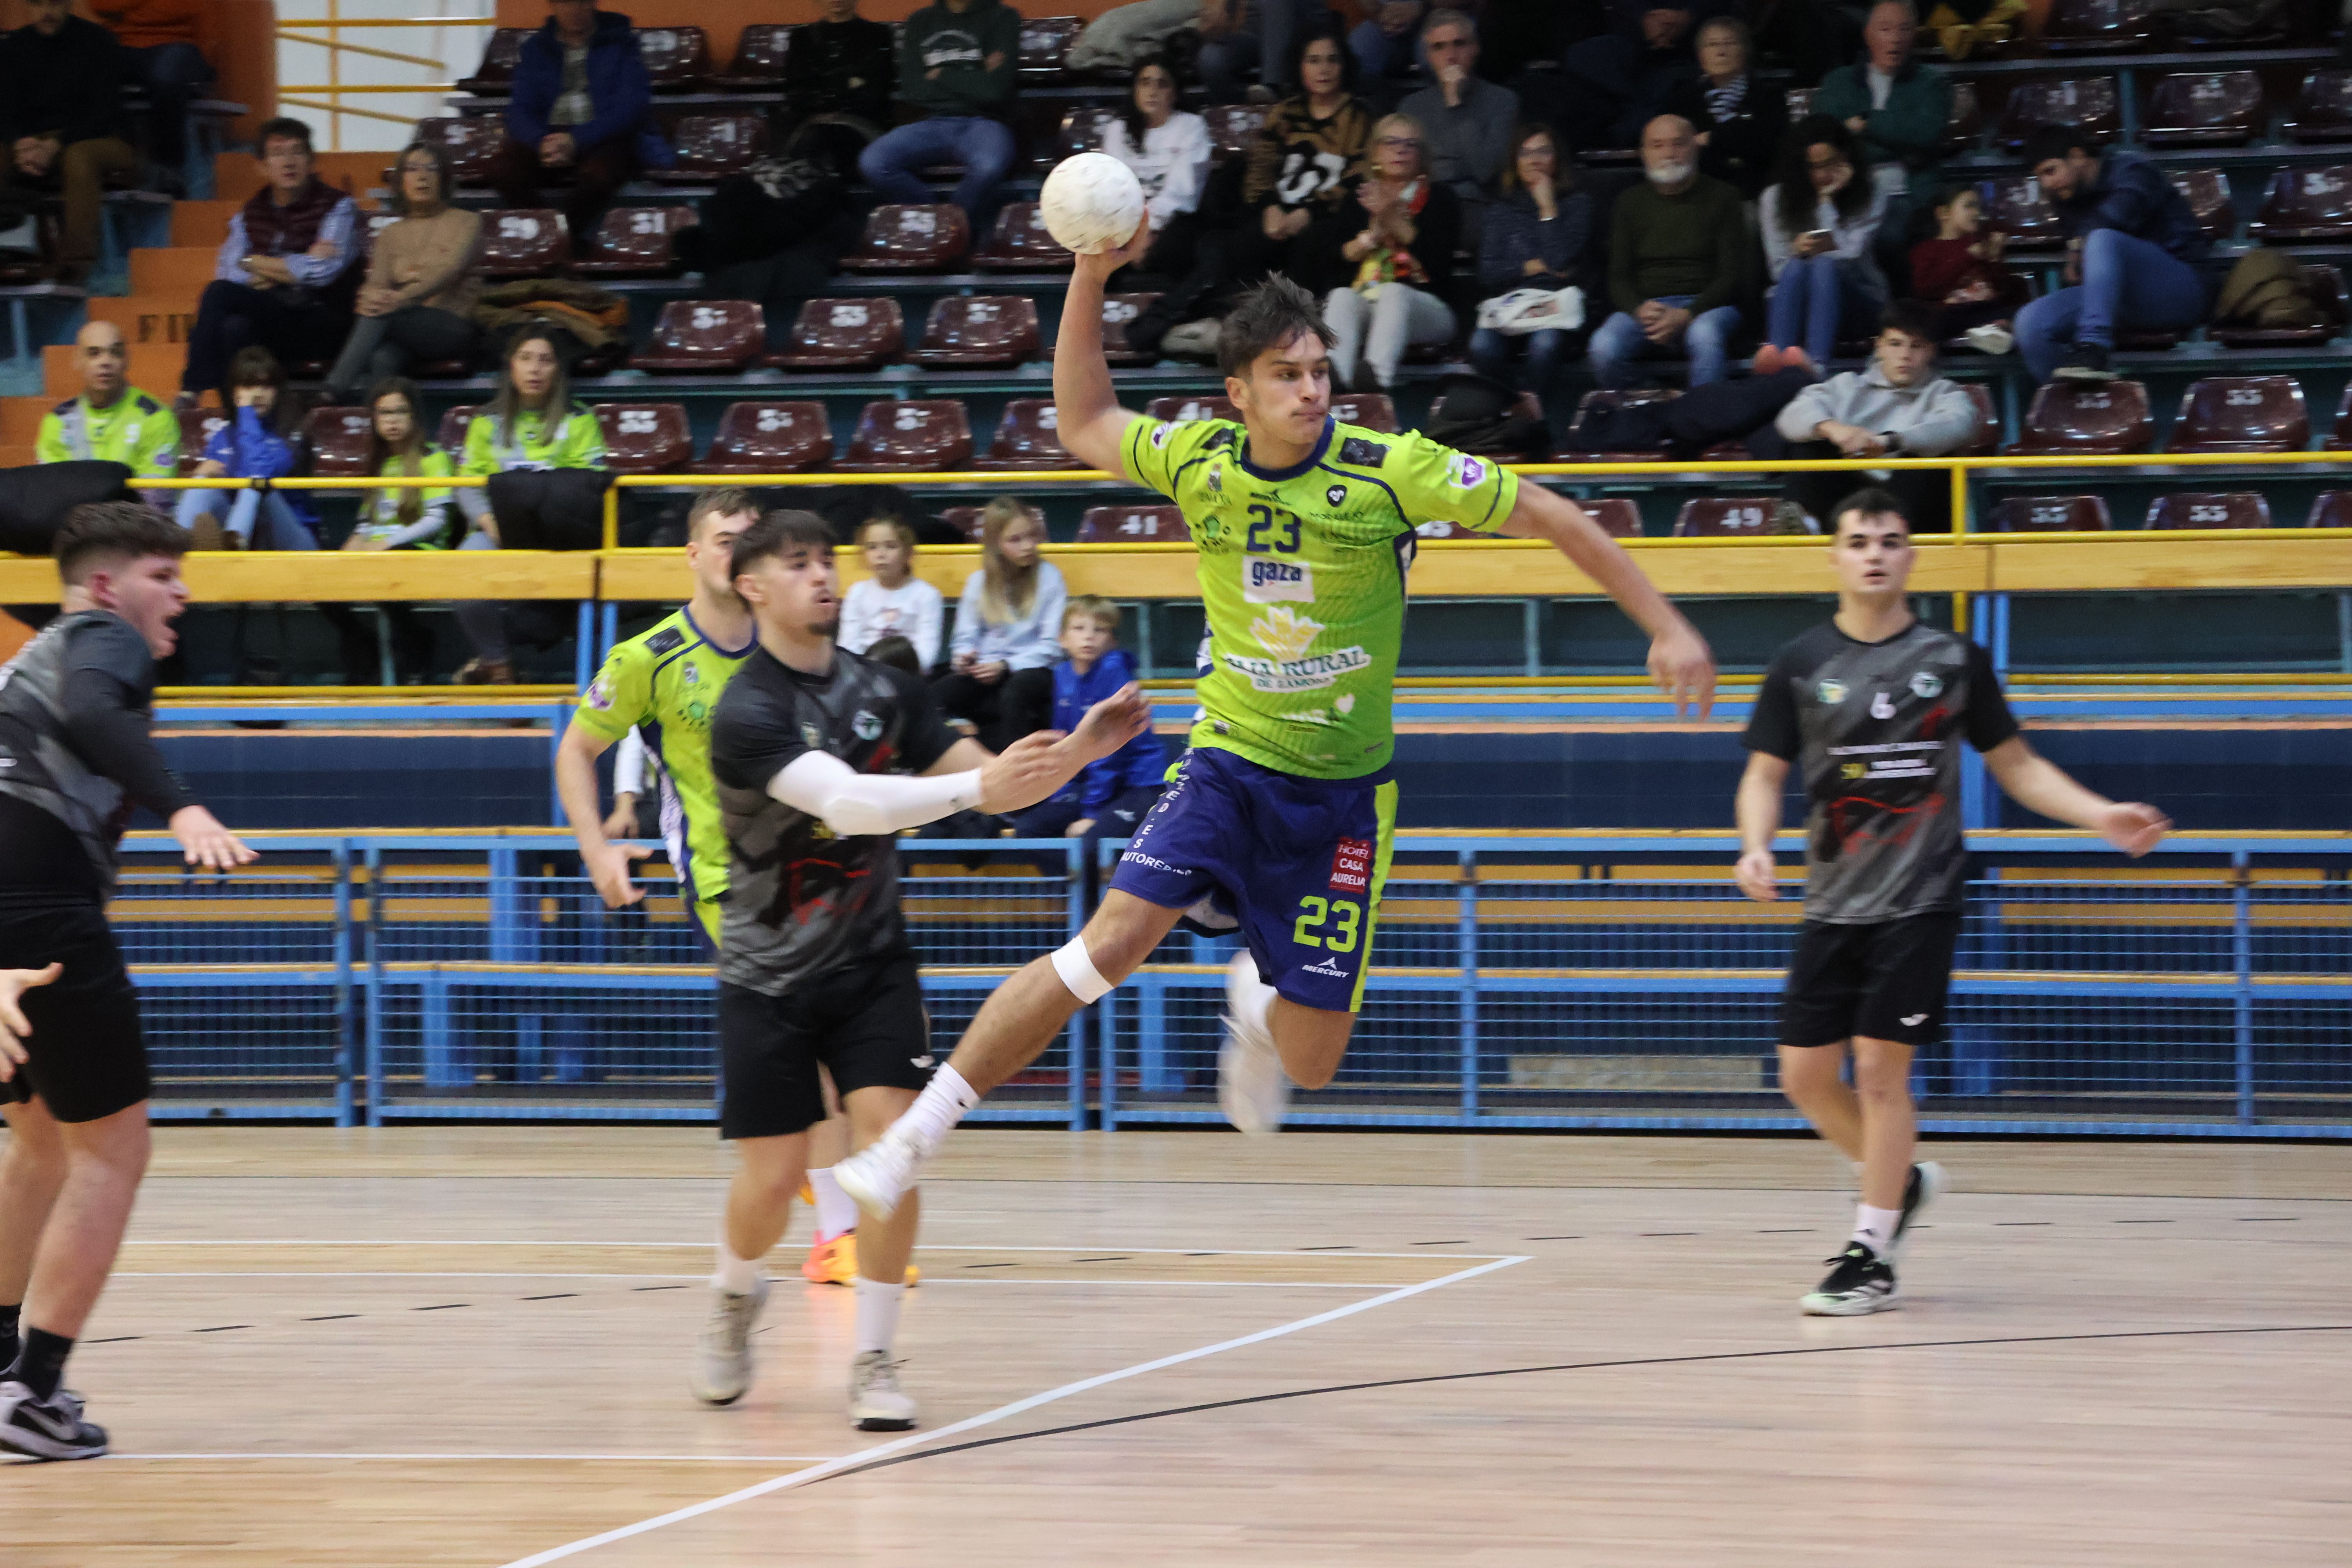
(877, 1313)
(1875, 1228)
(939, 1107)
(837, 1211)
(736, 1276)
(1258, 1000)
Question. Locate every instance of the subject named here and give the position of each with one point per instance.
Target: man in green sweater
(1898, 105)
(1679, 263)
(958, 63)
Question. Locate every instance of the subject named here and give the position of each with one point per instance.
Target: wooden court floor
(467, 1346)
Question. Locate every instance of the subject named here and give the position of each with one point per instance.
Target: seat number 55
(1345, 914)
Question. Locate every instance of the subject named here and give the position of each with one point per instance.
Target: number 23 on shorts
(1313, 912)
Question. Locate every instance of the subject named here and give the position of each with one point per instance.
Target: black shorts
(1888, 981)
(866, 1024)
(87, 1054)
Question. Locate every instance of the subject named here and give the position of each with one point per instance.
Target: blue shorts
(1296, 864)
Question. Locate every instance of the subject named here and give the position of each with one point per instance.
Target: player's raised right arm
(1087, 413)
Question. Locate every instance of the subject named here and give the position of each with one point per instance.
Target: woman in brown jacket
(1299, 189)
(422, 284)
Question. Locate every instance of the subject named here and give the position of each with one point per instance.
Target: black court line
(221, 1329)
(2268, 1219)
(1552, 1238)
(444, 1307)
(117, 1340)
(1327, 1247)
(1121, 1257)
(558, 1296)
(1668, 1233)
(1567, 1366)
(992, 1266)
(331, 1318)
(640, 1289)
(2143, 1222)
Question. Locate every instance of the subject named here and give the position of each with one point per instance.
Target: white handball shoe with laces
(722, 1365)
(1253, 1090)
(877, 1403)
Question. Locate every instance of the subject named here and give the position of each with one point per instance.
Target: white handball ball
(1091, 202)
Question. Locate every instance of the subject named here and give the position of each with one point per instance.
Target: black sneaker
(2087, 363)
(49, 1428)
(1926, 1184)
(1859, 1282)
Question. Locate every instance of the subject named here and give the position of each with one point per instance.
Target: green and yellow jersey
(574, 441)
(436, 509)
(666, 683)
(135, 430)
(1302, 574)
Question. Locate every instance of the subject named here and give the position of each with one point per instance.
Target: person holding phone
(1820, 218)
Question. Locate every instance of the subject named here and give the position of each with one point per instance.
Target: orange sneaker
(808, 1194)
(835, 1262)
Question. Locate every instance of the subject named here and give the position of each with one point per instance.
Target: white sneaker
(722, 1365)
(1927, 1182)
(1992, 338)
(877, 1403)
(1252, 1088)
(879, 1175)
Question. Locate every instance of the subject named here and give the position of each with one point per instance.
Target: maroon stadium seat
(1191, 406)
(2077, 417)
(1232, 128)
(2242, 414)
(677, 58)
(2207, 192)
(1728, 517)
(769, 438)
(1133, 525)
(2341, 440)
(2330, 509)
(1369, 410)
(452, 434)
(1118, 310)
(198, 425)
(759, 63)
(2052, 514)
(2327, 288)
(1609, 398)
(712, 147)
(633, 242)
(524, 242)
(495, 73)
(2204, 108)
(2022, 210)
(646, 438)
(910, 239)
(704, 335)
(979, 329)
(1025, 439)
(1018, 243)
(2087, 103)
(2325, 112)
(468, 144)
(2206, 509)
(1619, 517)
(964, 520)
(1966, 122)
(340, 440)
(1988, 437)
(919, 436)
(1082, 129)
(2305, 204)
(2098, 26)
(1046, 44)
(844, 335)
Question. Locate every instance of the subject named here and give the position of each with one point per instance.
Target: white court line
(932, 1279)
(990, 1417)
(933, 1245)
(470, 1458)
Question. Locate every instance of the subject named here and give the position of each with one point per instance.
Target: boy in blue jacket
(1110, 797)
(256, 443)
(582, 114)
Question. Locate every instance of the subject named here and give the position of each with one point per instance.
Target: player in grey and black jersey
(1875, 705)
(75, 757)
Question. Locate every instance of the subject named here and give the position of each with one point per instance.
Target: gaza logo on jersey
(1267, 581)
(1286, 637)
(867, 725)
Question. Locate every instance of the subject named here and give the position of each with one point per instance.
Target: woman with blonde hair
(1402, 261)
(1007, 630)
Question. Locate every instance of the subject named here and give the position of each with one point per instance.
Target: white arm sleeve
(857, 804)
(629, 765)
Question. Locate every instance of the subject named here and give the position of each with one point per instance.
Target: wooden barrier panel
(2123, 562)
(228, 577)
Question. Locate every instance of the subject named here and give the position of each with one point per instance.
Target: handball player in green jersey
(1277, 821)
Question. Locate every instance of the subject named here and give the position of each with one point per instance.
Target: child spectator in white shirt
(893, 600)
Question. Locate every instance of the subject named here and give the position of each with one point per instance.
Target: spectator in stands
(1897, 407)
(1808, 38)
(1679, 270)
(162, 52)
(1303, 169)
(61, 116)
(1000, 675)
(839, 75)
(532, 424)
(1383, 42)
(1109, 798)
(891, 600)
(1740, 119)
(423, 280)
(109, 420)
(959, 64)
(1622, 79)
(409, 518)
(286, 272)
(581, 113)
(2132, 250)
(1403, 259)
(1466, 120)
(1535, 239)
(1169, 151)
(1960, 271)
(260, 441)
(1898, 105)
(1820, 220)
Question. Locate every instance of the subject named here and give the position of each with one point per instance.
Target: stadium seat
(2207, 192)
(2241, 414)
(1232, 128)
(1986, 440)
(1729, 517)
(844, 335)
(1045, 44)
(1118, 310)
(646, 438)
(2327, 287)
(451, 437)
(978, 330)
(468, 144)
(2053, 514)
(1133, 525)
(2341, 440)
(910, 239)
(2078, 416)
(2305, 204)
(964, 520)
(677, 58)
(633, 242)
(2204, 509)
(1018, 243)
(919, 436)
(1800, 102)
(2204, 108)
(1370, 410)
(1966, 122)
(2021, 209)
(704, 335)
(339, 441)
(2330, 509)
(2324, 114)
(1609, 398)
(769, 438)
(2087, 103)
(712, 147)
(495, 73)
(1082, 129)
(1191, 406)
(524, 242)
(198, 425)
(2097, 27)
(1619, 517)
(1025, 439)
(759, 63)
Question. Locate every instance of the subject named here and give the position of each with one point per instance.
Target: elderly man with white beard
(1680, 264)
